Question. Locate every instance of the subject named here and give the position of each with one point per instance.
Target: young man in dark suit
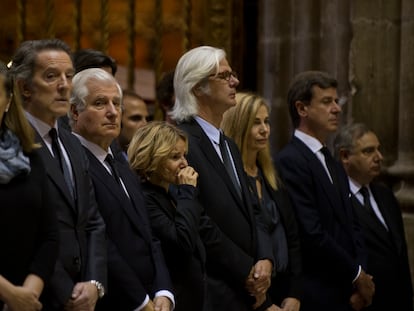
(378, 211)
(333, 254)
(138, 278)
(239, 255)
(43, 70)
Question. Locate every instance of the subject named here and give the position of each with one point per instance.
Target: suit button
(76, 261)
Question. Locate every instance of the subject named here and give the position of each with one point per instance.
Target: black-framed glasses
(225, 75)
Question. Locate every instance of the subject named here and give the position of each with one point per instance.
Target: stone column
(403, 168)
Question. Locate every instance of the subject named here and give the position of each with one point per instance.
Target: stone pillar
(295, 36)
(403, 168)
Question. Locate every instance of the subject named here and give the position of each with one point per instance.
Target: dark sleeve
(125, 277)
(176, 227)
(96, 265)
(294, 273)
(47, 249)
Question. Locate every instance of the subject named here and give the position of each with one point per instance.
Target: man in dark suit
(239, 255)
(137, 275)
(379, 214)
(43, 70)
(333, 254)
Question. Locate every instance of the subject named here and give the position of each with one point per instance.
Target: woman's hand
(187, 176)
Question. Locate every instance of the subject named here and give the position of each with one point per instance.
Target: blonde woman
(248, 124)
(157, 153)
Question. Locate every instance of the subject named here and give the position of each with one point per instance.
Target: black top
(175, 218)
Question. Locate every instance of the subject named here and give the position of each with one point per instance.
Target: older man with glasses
(239, 261)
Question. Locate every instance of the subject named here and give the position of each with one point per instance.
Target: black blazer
(175, 221)
(331, 240)
(233, 251)
(82, 254)
(136, 266)
(28, 226)
(387, 252)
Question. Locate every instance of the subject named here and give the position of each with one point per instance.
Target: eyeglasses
(225, 75)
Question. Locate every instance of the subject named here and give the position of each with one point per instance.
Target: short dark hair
(348, 135)
(24, 60)
(90, 58)
(301, 89)
(131, 93)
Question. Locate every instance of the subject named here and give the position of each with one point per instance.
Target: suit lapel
(335, 199)
(205, 145)
(382, 202)
(54, 172)
(371, 222)
(126, 203)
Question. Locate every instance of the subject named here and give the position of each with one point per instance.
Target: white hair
(192, 70)
(80, 90)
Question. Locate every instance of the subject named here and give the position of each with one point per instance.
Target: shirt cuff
(168, 294)
(359, 272)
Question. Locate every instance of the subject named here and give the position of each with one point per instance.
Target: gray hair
(192, 70)
(80, 90)
(347, 136)
(24, 60)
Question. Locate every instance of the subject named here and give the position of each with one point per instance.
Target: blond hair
(237, 123)
(151, 146)
(14, 119)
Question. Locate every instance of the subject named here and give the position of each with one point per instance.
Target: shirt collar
(41, 127)
(211, 131)
(96, 150)
(311, 142)
(355, 186)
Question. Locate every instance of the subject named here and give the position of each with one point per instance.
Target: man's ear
(24, 88)
(344, 156)
(197, 90)
(74, 112)
(301, 108)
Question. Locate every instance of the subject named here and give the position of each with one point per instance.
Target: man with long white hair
(239, 262)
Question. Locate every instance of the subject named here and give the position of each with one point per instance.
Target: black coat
(136, 266)
(387, 252)
(237, 246)
(331, 238)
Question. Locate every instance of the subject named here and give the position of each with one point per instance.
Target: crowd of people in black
(102, 210)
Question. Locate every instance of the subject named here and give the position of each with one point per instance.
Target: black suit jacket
(387, 252)
(332, 244)
(82, 254)
(136, 266)
(233, 251)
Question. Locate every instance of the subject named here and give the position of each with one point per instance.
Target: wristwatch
(99, 287)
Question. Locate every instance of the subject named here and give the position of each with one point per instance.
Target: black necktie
(367, 202)
(110, 160)
(57, 153)
(330, 164)
(227, 163)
